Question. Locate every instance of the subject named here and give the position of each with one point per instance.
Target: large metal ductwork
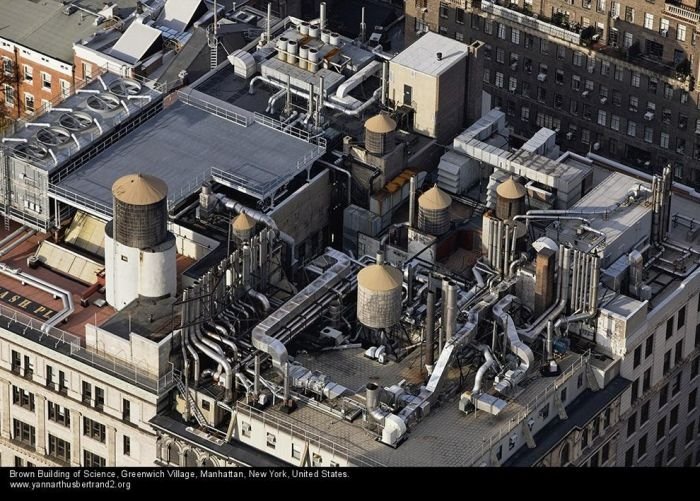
(429, 330)
(515, 344)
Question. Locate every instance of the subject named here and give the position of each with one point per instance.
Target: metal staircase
(190, 401)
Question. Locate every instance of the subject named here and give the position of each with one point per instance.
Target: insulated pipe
(273, 100)
(322, 16)
(16, 243)
(506, 250)
(342, 171)
(216, 357)
(550, 340)
(412, 202)
(66, 297)
(499, 249)
(12, 235)
(221, 334)
(186, 312)
(482, 369)
(261, 298)
(451, 311)
(478, 277)
(574, 281)
(268, 26)
(372, 403)
(385, 78)
(429, 329)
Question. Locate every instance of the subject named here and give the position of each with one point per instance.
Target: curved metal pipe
(490, 361)
(262, 299)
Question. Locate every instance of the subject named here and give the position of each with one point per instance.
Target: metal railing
(531, 22)
(60, 336)
(75, 198)
(530, 407)
(290, 131)
(684, 12)
(310, 436)
(220, 112)
(259, 190)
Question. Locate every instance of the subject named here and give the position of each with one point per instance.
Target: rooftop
(421, 56)
(169, 147)
(45, 28)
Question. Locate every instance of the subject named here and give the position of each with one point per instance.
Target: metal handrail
(312, 437)
(530, 407)
(103, 209)
(220, 112)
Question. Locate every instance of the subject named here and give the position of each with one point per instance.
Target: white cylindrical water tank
(335, 39)
(314, 58)
(326, 36)
(303, 56)
(292, 50)
(379, 296)
(304, 28)
(282, 48)
(314, 31)
(157, 273)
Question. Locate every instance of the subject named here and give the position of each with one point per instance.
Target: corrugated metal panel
(68, 263)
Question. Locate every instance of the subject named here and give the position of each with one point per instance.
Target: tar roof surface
(181, 144)
(42, 26)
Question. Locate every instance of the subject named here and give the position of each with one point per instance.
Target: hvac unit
(596, 146)
(569, 136)
(542, 77)
(603, 100)
(649, 115)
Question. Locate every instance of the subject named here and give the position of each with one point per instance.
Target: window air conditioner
(603, 100)
(569, 136)
(542, 77)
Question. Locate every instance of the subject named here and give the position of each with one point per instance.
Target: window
(487, 76)
(459, 36)
(525, 113)
(663, 395)
(544, 46)
(663, 141)
(93, 460)
(99, 398)
(23, 398)
(673, 418)
(644, 414)
(637, 357)
(559, 77)
(690, 433)
(562, 395)
(579, 58)
(316, 459)
(515, 36)
(631, 128)
(584, 438)
(680, 32)
(126, 446)
(629, 456)
(576, 82)
(671, 452)
(602, 118)
(615, 122)
(648, 135)
(681, 317)
(62, 388)
(605, 453)
(499, 79)
(642, 446)
(59, 415)
(561, 52)
(28, 103)
(692, 400)
(545, 411)
(649, 21)
(649, 346)
(661, 429)
(459, 15)
(87, 393)
(668, 91)
(500, 55)
(28, 73)
(628, 40)
(488, 26)
(564, 457)
(7, 66)
(541, 94)
(93, 429)
(676, 386)
(619, 73)
(296, 451)
(501, 31)
(45, 80)
(664, 25)
(636, 79)
(629, 14)
(512, 84)
(59, 449)
(695, 367)
(22, 432)
(246, 429)
(659, 460)
(631, 425)
(585, 136)
(126, 410)
(679, 352)
(65, 88)
(667, 361)
(646, 381)
(271, 440)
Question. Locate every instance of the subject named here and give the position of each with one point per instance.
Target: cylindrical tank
(303, 56)
(380, 132)
(510, 200)
(326, 36)
(313, 57)
(282, 48)
(334, 39)
(292, 50)
(243, 227)
(434, 211)
(379, 296)
(314, 31)
(304, 28)
(140, 210)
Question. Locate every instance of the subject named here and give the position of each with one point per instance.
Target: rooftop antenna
(363, 26)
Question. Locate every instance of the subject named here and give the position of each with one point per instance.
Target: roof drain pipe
(66, 297)
(186, 336)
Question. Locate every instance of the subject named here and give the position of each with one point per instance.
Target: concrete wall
(190, 243)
